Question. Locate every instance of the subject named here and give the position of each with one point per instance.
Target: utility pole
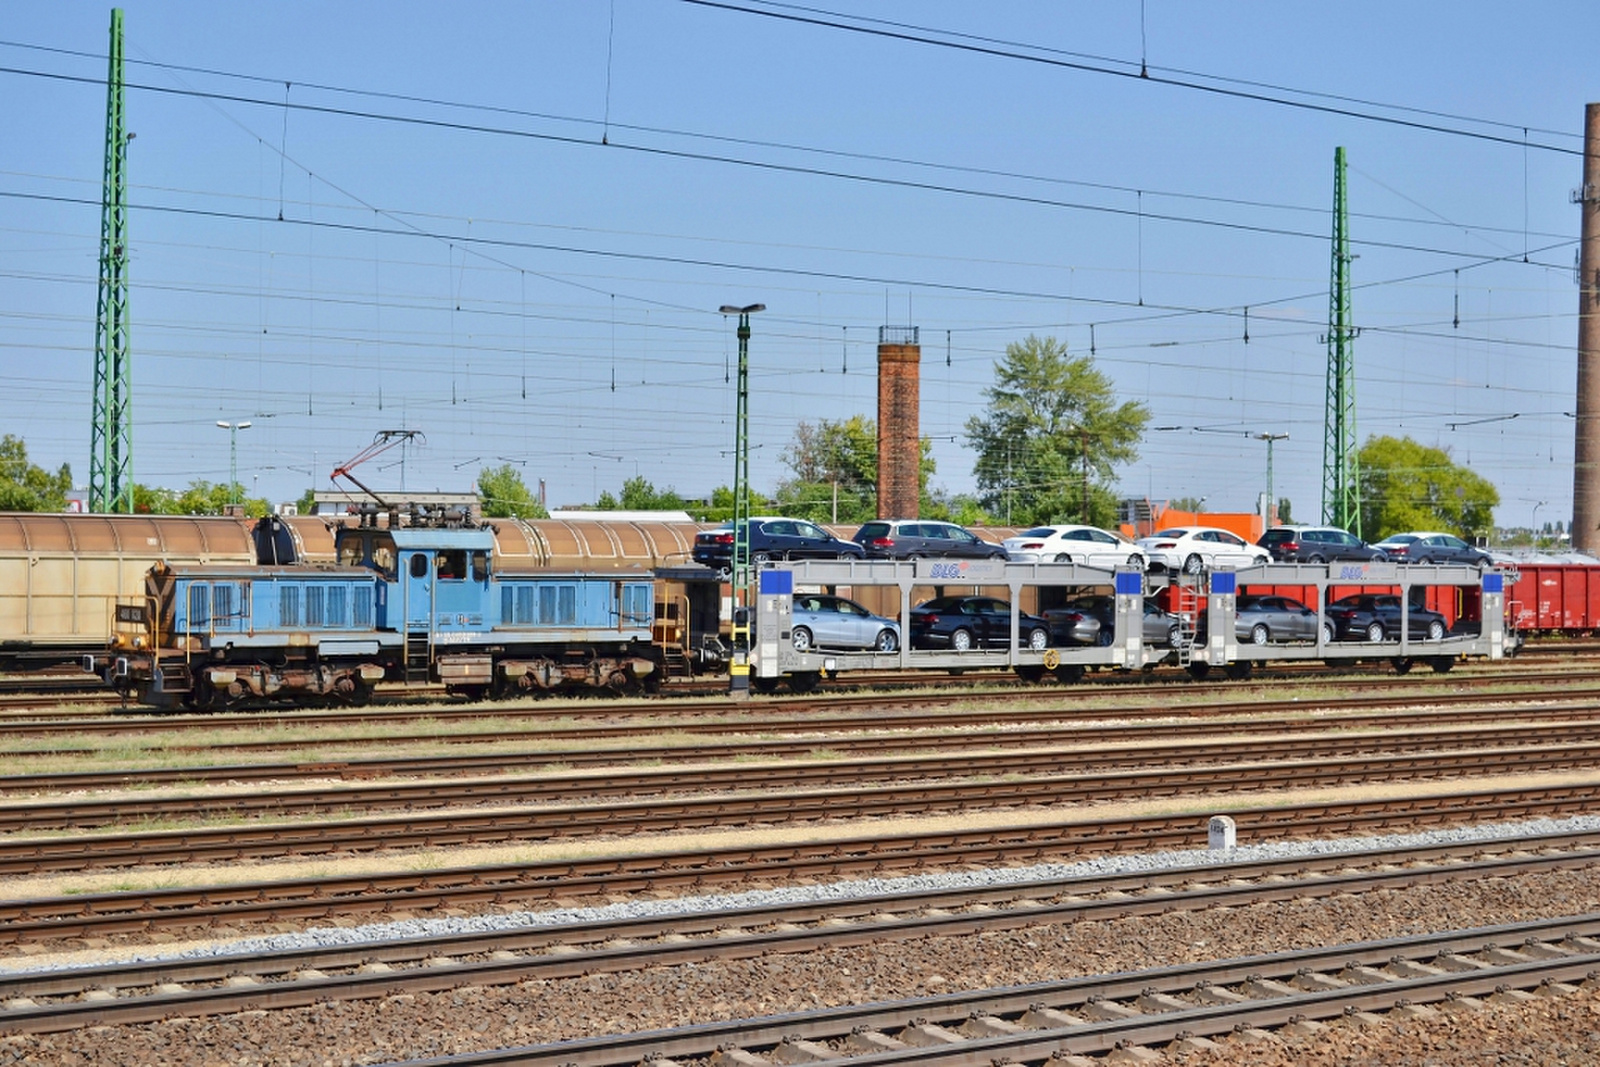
(739, 671)
(1341, 472)
(1586, 432)
(111, 431)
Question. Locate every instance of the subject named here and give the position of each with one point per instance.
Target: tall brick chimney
(899, 442)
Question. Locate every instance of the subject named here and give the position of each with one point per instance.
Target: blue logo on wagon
(947, 570)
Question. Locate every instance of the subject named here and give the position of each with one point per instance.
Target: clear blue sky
(461, 254)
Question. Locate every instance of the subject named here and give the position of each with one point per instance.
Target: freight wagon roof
(183, 536)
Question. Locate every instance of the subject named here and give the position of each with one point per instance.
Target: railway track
(834, 713)
(1449, 752)
(15, 717)
(458, 827)
(143, 911)
(1050, 1021)
(1580, 723)
(122, 993)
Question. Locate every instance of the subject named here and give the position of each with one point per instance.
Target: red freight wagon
(1555, 598)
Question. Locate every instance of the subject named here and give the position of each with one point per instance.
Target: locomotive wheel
(1239, 670)
(763, 685)
(1031, 673)
(1441, 664)
(1199, 671)
(1402, 664)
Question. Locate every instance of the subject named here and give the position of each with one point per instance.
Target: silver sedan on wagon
(823, 621)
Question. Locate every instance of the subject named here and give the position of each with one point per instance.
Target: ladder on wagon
(1189, 599)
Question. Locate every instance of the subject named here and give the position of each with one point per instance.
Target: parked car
(1376, 617)
(1317, 544)
(1394, 546)
(1191, 549)
(916, 538)
(1088, 545)
(960, 623)
(1262, 620)
(1093, 621)
(822, 621)
(1430, 547)
(773, 538)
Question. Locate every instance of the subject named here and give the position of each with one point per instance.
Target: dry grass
(432, 859)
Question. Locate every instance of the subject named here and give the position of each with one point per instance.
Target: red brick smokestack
(899, 443)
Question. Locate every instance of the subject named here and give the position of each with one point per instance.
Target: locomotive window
(383, 555)
(452, 564)
(419, 566)
(350, 552)
(480, 566)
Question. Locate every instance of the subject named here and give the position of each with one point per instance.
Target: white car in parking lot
(1191, 549)
(1088, 545)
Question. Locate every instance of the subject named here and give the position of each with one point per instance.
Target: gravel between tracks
(1541, 1032)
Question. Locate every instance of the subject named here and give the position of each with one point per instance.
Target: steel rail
(1578, 744)
(945, 730)
(96, 914)
(26, 855)
(142, 991)
(878, 714)
(1032, 1023)
(1061, 702)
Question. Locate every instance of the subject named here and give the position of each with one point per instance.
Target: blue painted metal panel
(426, 539)
(1225, 582)
(777, 583)
(1494, 583)
(1130, 583)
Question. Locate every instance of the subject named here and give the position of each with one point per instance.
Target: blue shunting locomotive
(419, 603)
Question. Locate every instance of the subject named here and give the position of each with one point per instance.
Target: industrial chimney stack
(899, 442)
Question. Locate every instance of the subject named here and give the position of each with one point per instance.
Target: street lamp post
(233, 429)
(1534, 522)
(739, 671)
(1272, 501)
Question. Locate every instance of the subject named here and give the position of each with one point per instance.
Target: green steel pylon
(1341, 470)
(111, 438)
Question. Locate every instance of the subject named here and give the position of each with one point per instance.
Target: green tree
(200, 498)
(1051, 437)
(638, 494)
(835, 468)
(26, 487)
(306, 503)
(504, 496)
(1409, 486)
